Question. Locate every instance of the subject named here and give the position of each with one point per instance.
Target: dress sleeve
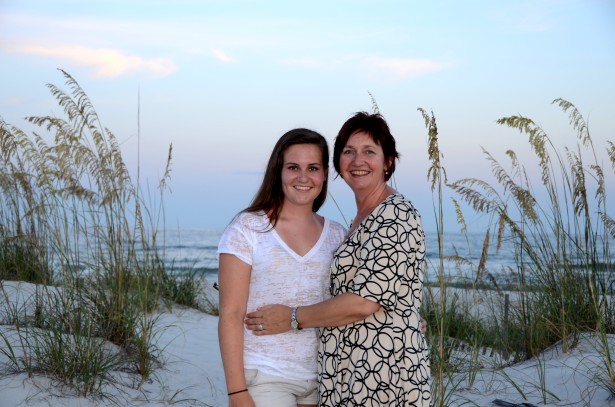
(237, 240)
(391, 255)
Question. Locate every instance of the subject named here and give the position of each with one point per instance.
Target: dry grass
(560, 232)
(72, 216)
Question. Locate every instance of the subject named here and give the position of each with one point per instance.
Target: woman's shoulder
(398, 204)
(335, 226)
(249, 220)
(398, 199)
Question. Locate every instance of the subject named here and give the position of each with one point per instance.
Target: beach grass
(75, 223)
(559, 229)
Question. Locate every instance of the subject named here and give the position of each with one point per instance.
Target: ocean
(195, 250)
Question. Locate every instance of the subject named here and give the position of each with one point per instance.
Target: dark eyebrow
(293, 163)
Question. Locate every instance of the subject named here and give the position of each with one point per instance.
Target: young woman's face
(303, 174)
(362, 162)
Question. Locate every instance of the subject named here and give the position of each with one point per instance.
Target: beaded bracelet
(238, 391)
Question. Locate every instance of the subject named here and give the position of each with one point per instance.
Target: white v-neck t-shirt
(281, 276)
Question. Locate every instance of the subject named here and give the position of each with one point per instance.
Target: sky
(221, 81)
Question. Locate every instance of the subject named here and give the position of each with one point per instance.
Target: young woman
(279, 250)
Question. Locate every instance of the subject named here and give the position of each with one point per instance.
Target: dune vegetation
(76, 224)
(561, 285)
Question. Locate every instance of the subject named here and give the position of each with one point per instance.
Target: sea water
(195, 250)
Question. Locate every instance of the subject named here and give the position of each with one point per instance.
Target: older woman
(372, 351)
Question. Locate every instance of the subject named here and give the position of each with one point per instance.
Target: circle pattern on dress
(384, 359)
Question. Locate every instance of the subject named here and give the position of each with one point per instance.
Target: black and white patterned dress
(384, 359)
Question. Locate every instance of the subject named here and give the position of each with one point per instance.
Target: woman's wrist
(237, 392)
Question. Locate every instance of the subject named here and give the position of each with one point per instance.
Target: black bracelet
(238, 391)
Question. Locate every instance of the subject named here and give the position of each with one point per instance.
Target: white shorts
(274, 391)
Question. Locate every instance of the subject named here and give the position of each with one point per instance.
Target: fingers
(259, 329)
(423, 326)
(258, 313)
(252, 321)
(257, 326)
(252, 324)
(254, 314)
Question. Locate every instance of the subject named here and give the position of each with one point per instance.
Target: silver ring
(260, 327)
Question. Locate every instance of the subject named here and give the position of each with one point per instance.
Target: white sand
(192, 374)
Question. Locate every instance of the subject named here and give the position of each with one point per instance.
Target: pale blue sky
(222, 80)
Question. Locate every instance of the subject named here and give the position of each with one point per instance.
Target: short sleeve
(237, 240)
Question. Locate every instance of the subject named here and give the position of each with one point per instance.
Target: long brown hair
(270, 196)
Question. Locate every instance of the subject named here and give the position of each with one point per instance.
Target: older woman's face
(362, 162)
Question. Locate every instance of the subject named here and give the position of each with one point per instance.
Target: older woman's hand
(269, 320)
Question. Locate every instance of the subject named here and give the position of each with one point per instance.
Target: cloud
(311, 63)
(222, 56)
(375, 66)
(403, 68)
(105, 62)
